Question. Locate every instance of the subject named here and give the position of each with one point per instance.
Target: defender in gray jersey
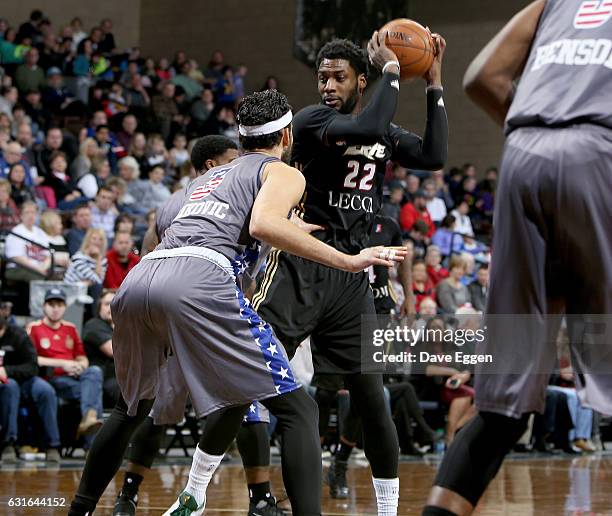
(183, 299)
(169, 407)
(552, 244)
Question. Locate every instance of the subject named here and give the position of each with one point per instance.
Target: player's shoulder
(280, 167)
(69, 325)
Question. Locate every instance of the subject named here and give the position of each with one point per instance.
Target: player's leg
(522, 345)
(227, 352)
(297, 424)
(219, 431)
(325, 399)
(471, 462)
(139, 341)
(141, 453)
(168, 409)
(337, 349)
(350, 432)
(588, 254)
(380, 441)
(106, 454)
(253, 443)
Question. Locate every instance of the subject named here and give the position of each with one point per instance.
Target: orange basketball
(412, 44)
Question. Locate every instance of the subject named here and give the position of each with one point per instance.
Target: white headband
(268, 127)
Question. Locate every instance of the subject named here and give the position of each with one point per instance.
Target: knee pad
(477, 452)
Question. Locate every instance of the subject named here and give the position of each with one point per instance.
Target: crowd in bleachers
(93, 139)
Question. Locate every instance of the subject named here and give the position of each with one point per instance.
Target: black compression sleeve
(429, 153)
(371, 123)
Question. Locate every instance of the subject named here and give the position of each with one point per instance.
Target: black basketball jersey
(385, 231)
(344, 180)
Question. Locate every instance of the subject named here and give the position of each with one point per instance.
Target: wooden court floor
(527, 485)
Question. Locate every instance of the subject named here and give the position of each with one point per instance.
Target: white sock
(202, 470)
(387, 495)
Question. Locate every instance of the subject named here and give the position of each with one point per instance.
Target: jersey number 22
(367, 172)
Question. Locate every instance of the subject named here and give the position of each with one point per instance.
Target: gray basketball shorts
(551, 254)
(192, 309)
(171, 400)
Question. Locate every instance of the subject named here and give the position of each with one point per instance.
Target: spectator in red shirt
(422, 286)
(416, 210)
(433, 260)
(60, 350)
(121, 260)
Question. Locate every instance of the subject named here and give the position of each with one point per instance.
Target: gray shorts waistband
(195, 252)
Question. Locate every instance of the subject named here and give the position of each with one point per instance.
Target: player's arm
(149, 241)
(283, 187)
(431, 151)
(489, 79)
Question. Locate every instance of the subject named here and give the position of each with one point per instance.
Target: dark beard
(348, 106)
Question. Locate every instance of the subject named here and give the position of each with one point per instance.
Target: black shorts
(300, 298)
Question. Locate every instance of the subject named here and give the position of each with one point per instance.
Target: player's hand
(304, 226)
(378, 255)
(3, 375)
(379, 53)
(433, 76)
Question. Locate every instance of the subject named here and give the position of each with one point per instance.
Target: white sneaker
(185, 505)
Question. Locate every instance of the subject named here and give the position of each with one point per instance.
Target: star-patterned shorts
(191, 308)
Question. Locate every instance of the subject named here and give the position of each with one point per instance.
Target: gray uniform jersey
(217, 209)
(567, 75)
(165, 215)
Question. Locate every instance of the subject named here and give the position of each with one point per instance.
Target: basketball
(412, 44)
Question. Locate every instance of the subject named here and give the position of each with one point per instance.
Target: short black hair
(345, 49)
(257, 109)
(448, 221)
(36, 15)
(123, 217)
(209, 147)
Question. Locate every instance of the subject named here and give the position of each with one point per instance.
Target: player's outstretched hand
(378, 255)
(304, 226)
(378, 51)
(433, 76)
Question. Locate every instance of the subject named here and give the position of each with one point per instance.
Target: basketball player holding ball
(552, 246)
(342, 147)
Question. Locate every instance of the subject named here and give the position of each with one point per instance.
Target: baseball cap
(419, 193)
(54, 70)
(55, 293)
